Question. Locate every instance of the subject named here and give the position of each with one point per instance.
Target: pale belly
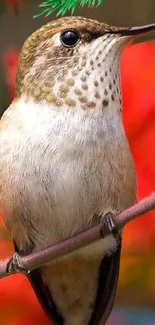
(56, 175)
(54, 178)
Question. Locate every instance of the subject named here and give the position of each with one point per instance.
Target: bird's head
(74, 61)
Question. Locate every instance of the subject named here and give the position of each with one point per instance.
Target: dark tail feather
(108, 278)
(44, 297)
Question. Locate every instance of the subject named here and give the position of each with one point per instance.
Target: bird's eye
(69, 38)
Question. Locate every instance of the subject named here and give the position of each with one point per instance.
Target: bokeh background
(135, 301)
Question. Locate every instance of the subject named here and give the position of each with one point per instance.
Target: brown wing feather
(108, 278)
(44, 297)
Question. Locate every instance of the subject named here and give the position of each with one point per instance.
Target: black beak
(139, 30)
(131, 31)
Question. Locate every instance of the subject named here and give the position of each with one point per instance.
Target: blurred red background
(137, 282)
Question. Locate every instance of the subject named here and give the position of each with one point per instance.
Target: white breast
(60, 167)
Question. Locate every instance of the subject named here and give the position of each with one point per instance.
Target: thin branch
(109, 225)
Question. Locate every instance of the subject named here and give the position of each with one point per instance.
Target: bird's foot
(108, 225)
(15, 265)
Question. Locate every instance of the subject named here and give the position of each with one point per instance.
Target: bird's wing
(44, 296)
(108, 278)
(107, 284)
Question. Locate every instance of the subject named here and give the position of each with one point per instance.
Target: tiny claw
(108, 225)
(15, 265)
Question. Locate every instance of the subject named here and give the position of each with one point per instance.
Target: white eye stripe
(56, 39)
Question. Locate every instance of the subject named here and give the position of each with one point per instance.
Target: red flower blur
(138, 84)
(16, 294)
(13, 4)
(10, 66)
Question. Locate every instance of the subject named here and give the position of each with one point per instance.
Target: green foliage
(62, 6)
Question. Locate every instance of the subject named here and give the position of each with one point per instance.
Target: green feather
(62, 6)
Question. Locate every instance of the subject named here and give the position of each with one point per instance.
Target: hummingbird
(65, 162)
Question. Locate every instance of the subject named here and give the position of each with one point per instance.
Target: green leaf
(40, 13)
(62, 6)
